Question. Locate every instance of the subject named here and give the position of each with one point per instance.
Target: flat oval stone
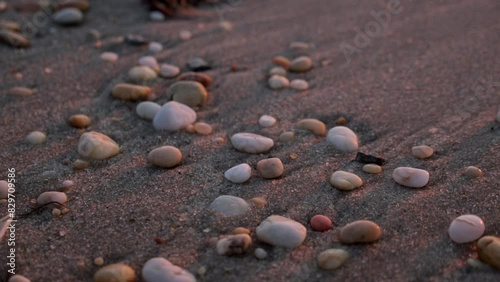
(278, 82)
(147, 110)
(301, 64)
(229, 205)
(169, 71)
(165, 156)
(18, 278)
(260, 253)
(282, 62)
(14, 38)
(161, 270)
(174, 116)
(466, 228)
(115, 272)
(299, 84)
(280, 231)
(52, 196)
(270, 168)
(238, 174)
(142, 73)
(234, 245)
(68, 16)
(109, 57)
(345, 181)
(343, 139)
(156, 16)
(79, 121)
(267, 121)
(332, 258)
(202, 78)
(251, 143)
(287, 136)
(149, 61)
(190, 93)
(315, 126)
(36, 137)
(21, 91)
(411, 177)
(203, 128)
(4, 189)
(320, 223)
(130, 92)
(185, 35)
(361, 231)
(155, 47)
(422, 152)
(97, 146)
(488, 248)
(278, 71)
(372, 168)
(473, 172)
(198, 64)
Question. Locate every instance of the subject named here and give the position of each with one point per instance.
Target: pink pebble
(466, 228)
(321, 223)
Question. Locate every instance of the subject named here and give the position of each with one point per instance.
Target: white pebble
(239, 173)
(267, 121)
(52, 196)
(343, 139)
(142, 73)
(155, 47)
(169, 71)
(332, 258)
(97, 146)
(67, 184)
(229, 205)
(68, 16)
(185, 35)
(260, 253)
(299, 84)
(422, 152)
(278, 82)
(156, 16)
(149, 61)
(345, 181)
(251, 143)
(278, 71)
(109, 57)
(174, 116)
(36, 137)
(147, 110)
(161, 270)
(466, 228)
(411, 177)
(280, 231)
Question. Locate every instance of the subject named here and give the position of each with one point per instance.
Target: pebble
(234, 245)
(411, 177)
(280, 231)
(4, 189)
(99, 261)
(258, 201)
(488, 248)
(109, 57)
(466, 228)
(202, 78)
(345, 181)
(185, 35)
(315, 126)
(3, 6)
(321, 223)
(36, 137)
(67, 184)
(372, 168)
(278, 71)
(156, 16)
(251, 143)
(278, 82)
(174, 116)
(94, 34)
(51, 196)
(238, 174)
(97, 146)
(282, 62)
(155, 47)
(190, 128)
(18, 278)
(147, 110)
(135, 40)
(298, 45)
(80, 164)
(341, 121)
(473, 172)
(161, 270)
(149, 61)
(21, 91)
(117, 272)
(267, 121)
(198, 64)
(56, 212)
(79, 121)
(260, 253)
(229, 205)
(361, 231)
(130, 92)
(142, 73)
(422, 152)
(343, 139)
(287, 136)
(169, 71)
(165, 156)
(68, 16)
(203, 128)
(240, 230)
(226, 25)
(301, 64)
(14, 39)
(190, 93)
(270, 168)
(332, 258)
(299, 84)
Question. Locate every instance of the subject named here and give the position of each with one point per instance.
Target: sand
(430, 77)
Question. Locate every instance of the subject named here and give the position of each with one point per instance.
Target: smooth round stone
(185, 35)
(203, 128)
(282, 62)
(36, 137)
(147, 110)
(234, 245)
(301, 64)
(320, 223)
(332, 258)
(165, 156)
(149, 61)
(488, 248)
(67, 184)
(422, 152)
(4, 189)
(270, 168)
(260, 253)
(280, 231)
(80, 164)
(372, 168)
(229, 205)
(51, 196)
(343, 139)
(278, 82)
(109, 57)
(142, 73)
(361, 231)
(251, 143)
(174, 116)
(97, 146)
(466, 228)
(198, 64)
(68, 16)
(99, 261)
(315, 126)
(115, 272)
(238, 174)
(473, 172)
(155, 47)
(226, 25)
(161, 270)
(169, 71)
(411, 177)
(287, 136)
(202, 78)
(267, 121)
(240, 230)
(190, 93)
(130, 92)
(79, 121)
(345, 181)
(18, 278)
(299, 84)
(278, 71)
(156, 16)
(21, 91)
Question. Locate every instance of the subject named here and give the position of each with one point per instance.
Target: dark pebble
(369, 159)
